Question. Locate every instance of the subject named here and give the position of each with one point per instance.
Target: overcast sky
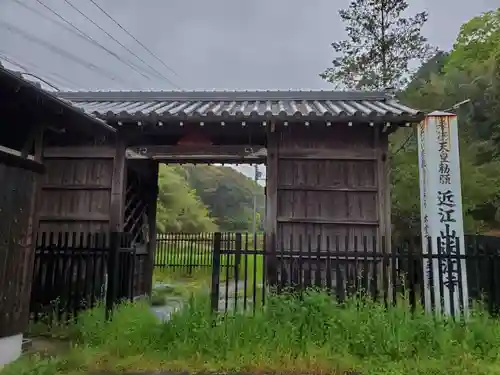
(210, 44)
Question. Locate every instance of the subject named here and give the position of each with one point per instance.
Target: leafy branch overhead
(469, 73)
(381, 45)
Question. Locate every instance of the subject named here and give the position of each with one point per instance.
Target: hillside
(196, 198)
(468, 74)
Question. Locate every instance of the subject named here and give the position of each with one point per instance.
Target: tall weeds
(310, 333)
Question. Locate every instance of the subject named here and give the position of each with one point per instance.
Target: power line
(123, 46)
(44, 16)
(133, 37)
(90, 38)
(26, 67)
(55, 22)
(62, 52)
(27, 72)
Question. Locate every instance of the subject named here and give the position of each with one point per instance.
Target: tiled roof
(237, 104)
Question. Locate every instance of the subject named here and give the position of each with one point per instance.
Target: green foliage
(380, 47)
(179, 208)
(478, 40)
(470, 74)
(291, 334)
(228, 195)
(205, 198)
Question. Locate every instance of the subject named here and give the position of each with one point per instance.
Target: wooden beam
(16, 161)
(328, 188)
(80, 152)
(75, 187)
(320, 220)
(328, 154)
(199, 149)
(87, 217)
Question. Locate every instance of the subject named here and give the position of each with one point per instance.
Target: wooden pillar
(116, 223)
(17, 245)
(384, 189)
(152, 203)
(118, 188)
(33, 221)
(271, 234)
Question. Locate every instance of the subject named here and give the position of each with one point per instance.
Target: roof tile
(283, 104)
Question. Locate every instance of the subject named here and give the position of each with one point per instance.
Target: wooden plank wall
(328, 182)
(75, 193)
(16, 249)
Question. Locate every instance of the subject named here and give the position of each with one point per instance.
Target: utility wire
(33, 68)
(121, 44)
(27, 72)
(55, 75)
(133, 37)
(403, 145)
(46, 17)
(90, 38)
(104, 72)
(55, 22)
(456, 106)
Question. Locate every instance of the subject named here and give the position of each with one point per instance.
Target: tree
(179, 208)
(380, 46)
(470, 72)
(478, 40)
(227, 194)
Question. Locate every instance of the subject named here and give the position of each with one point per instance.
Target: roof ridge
(219, 95)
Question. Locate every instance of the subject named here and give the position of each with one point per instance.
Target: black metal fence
(75, 271)
(188, 253)
(352, 266)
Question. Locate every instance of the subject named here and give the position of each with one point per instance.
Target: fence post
(214, 293)
(238, 246)
(113, 272)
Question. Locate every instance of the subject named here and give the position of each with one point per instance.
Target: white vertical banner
(445, 279)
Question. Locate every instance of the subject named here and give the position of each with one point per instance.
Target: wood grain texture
(75, 193)
(329, 185)
(16, 249)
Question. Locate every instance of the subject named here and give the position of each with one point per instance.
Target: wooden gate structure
(326, 152)
(326, 156)
(27, 114)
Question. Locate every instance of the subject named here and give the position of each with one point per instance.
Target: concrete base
(10, 348)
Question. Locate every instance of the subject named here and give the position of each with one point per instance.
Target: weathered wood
(34, 214)
(152, 207)
(70, 218)
(75, 193)
(118, 186)
(80, 152)
(321, 220)
(16, 250)
(325, 154)
(212, 160)
(271, 200)
(76, 187)
(15, 161)
(198, 150)
(327, 186)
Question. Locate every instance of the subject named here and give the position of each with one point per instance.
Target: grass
(311, 334)
(196, 279)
